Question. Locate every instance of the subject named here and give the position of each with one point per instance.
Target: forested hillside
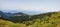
(50, 19)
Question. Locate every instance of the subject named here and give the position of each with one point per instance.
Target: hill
(50, 19)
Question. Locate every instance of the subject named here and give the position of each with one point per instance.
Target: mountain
(19, 14)
(9, 16)
(50, 19)
(3, 15)
(21, 17)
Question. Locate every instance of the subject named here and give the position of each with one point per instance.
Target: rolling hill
(50, 19)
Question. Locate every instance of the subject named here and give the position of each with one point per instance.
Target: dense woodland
(50, 19)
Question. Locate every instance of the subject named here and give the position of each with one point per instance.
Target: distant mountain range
(8, 15)
(20, 17)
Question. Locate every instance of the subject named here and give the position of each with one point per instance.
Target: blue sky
(30, 6)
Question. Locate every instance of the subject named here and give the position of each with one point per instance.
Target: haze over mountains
(27, 12)
(30, 6)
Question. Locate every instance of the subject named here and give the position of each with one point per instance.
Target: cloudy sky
(30, 6)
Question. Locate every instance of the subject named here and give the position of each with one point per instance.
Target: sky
(30, 6)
